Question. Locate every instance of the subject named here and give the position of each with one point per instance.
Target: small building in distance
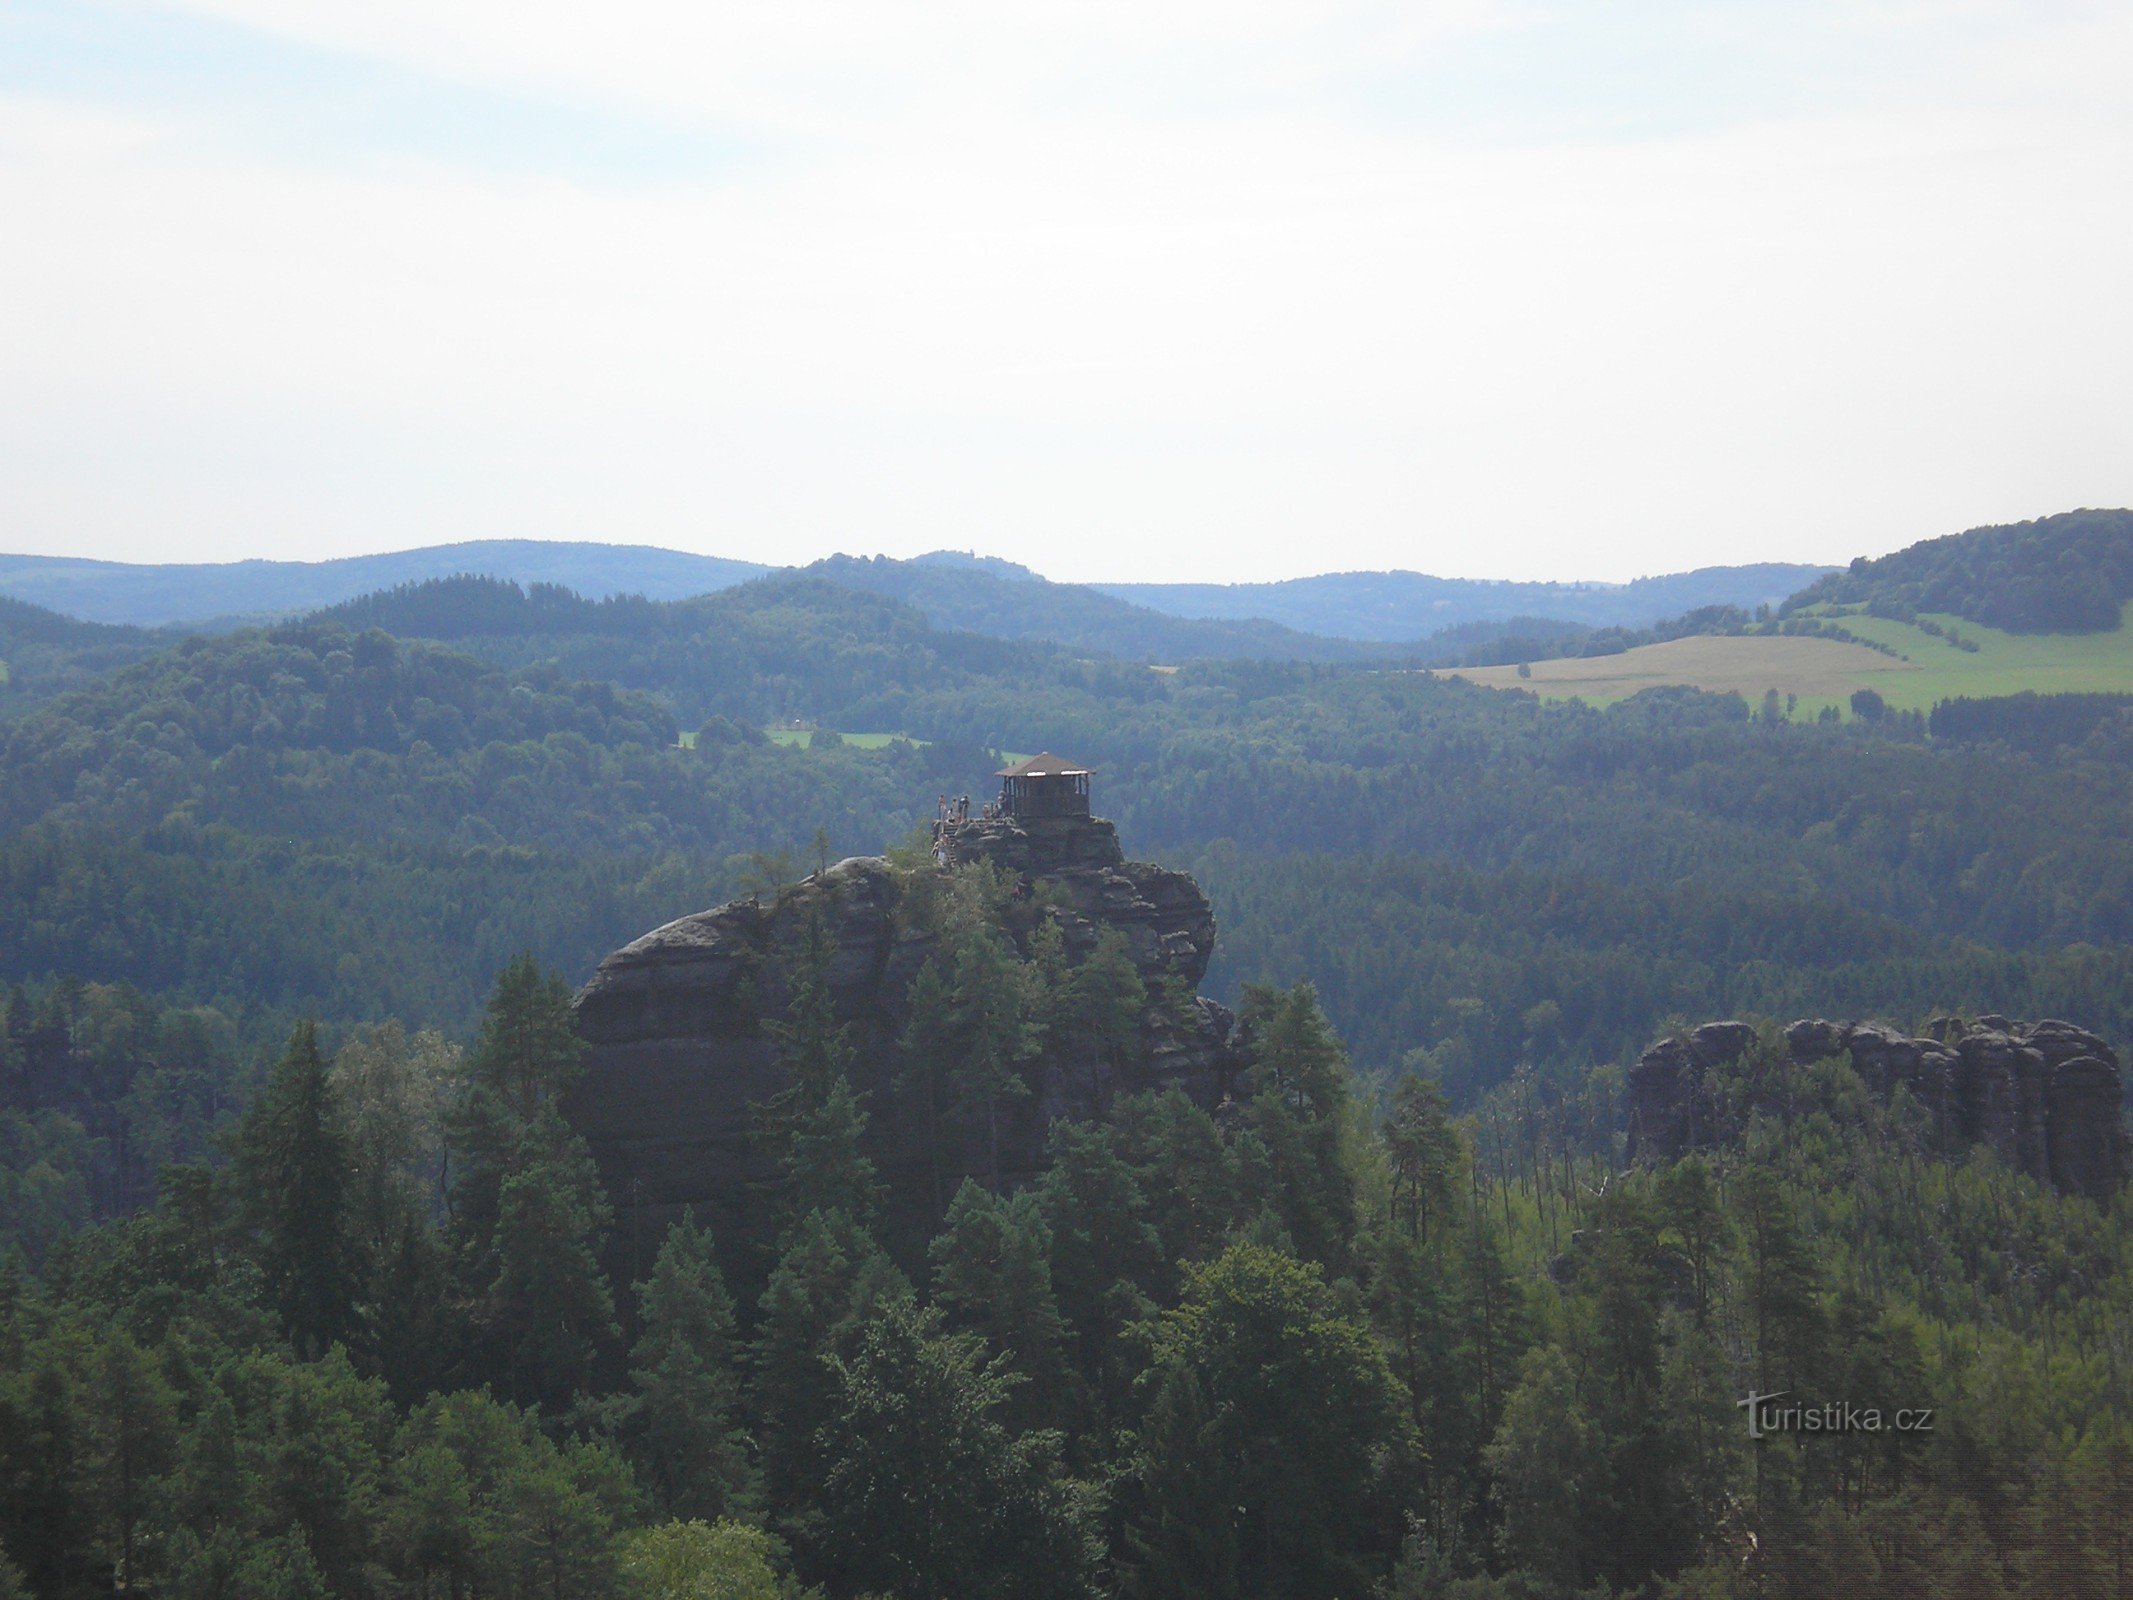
(1044, 786)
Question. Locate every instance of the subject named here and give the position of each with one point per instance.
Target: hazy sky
(1119, 290)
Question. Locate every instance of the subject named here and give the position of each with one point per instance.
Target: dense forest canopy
(300, 1265)
(317, 787)
(1331, 1343)
(2070, 573)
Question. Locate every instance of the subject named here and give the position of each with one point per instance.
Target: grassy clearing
(804, 738)
(1822, 672)
(2003, 663)
(1818, 671)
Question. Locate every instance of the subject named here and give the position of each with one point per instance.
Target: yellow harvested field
(1813, 669)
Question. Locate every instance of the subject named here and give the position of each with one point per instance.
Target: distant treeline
(2039, 724)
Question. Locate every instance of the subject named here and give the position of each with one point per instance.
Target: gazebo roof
(1046, 765)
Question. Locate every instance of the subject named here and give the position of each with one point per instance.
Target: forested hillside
(959, 596)
(1327, 1344)
(257, 892)
(317, 774)
(43, 653)
(2070, 573)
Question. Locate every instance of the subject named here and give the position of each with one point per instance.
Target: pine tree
(1416, 1308)
(1690, 1211)
(291, 1177)
(694, 1451)
(1496, 1317)
(1426, 1158)
(1780, 1287)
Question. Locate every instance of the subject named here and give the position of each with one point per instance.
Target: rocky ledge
(679, 1053)
(2043, 1096)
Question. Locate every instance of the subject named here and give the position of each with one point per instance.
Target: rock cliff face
(679, 1053)
(2042, 1096)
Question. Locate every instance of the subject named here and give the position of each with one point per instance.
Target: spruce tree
(528, 1212)
(1182, 1533)
(47, 1455)
(992, 1275)
(549, 1304)
(998, 1027)
(926, 1055)
(528, 1054)
(135, 1430)
(1301, 1103)
(813, 1126)
(1106, 998)
(694, 1451)
(1105, 1252)
(829, 1278)
(291, 1180)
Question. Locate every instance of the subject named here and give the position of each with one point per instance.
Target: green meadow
(804, 738)
(2003, 663)
(1821, 672)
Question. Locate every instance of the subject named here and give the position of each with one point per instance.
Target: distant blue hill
(1336, 617)
(118, 591)
(1395, 606)
(998, 598)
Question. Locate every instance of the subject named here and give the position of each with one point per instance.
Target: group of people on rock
(957, 811)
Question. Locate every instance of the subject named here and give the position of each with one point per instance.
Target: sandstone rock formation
(679, 1053)
(2043, 1096)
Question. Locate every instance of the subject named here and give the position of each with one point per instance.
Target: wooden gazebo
(1044, 786)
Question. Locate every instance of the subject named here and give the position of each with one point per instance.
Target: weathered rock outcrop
(679, 1052)
(2043, 1096)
